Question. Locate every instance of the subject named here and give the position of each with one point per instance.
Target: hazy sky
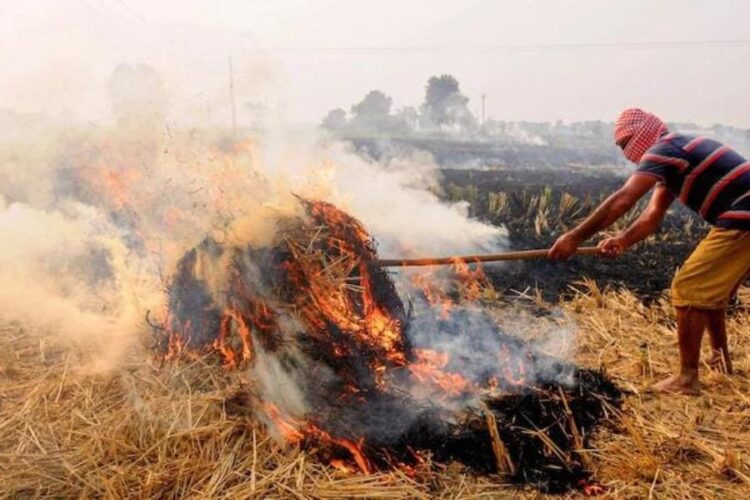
(535, 60)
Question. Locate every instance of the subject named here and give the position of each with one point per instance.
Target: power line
(133, 11)
(672, 44)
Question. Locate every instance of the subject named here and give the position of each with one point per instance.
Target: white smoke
(62, 271)
(96, 217)
(399, 204)
(519, 134)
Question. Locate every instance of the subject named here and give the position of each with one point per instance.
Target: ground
(146, 429)
(69, 428)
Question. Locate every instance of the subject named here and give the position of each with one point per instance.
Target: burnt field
(537, 205)
(458, 153)
(282, 366)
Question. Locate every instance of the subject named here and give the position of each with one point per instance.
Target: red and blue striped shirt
(708, 177)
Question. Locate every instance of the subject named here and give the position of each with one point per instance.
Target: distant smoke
(519, 134)
(138, 98)
(96, 217)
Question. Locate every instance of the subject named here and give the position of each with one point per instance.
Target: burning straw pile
(186, 429)
(342, 368)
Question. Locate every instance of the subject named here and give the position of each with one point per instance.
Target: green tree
(445, 105)
(335, 120)
(373, 111)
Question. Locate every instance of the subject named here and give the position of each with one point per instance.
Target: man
(714, 181)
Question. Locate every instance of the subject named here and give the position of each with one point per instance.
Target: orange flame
(288, 428)
(429, 368)
(335, 291)
(293, 431)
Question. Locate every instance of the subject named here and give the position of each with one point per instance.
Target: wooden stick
(439, 261)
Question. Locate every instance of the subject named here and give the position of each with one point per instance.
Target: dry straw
(183, 430)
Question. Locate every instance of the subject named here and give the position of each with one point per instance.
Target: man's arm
(644, 226)
(611, 209)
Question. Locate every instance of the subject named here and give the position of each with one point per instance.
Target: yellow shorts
(714, 271)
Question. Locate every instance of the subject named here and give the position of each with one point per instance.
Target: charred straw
(373, 378)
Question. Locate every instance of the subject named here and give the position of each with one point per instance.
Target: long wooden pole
(439, 261)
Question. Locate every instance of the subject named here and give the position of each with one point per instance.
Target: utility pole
(231, 98)
(483, 101)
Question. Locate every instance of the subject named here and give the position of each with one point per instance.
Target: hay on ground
(145, 430)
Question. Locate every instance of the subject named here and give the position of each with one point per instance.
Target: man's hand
(611, 209)
(612, 247)
(564, 247)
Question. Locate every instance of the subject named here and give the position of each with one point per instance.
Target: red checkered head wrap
(638, 130)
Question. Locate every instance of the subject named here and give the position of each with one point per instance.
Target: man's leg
(690, 325)
(717, 330)
(700, 294)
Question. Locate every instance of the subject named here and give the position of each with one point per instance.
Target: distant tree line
(445, 108)
(444, 112)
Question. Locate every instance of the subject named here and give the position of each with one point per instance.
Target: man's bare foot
(678, 384)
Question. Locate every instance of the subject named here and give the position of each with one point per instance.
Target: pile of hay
(146, 430)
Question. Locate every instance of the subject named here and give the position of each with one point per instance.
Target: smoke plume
(96, 217)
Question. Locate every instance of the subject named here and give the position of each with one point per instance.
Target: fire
(288, 428)
(380, 327)
(470, 284)
(117, 184)
(514, 368)
(355, 449)
(429, 368)
(295, 431)
(313, 303)
(435, 295)
(591, 489)
(342, 305)
(232, 317)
